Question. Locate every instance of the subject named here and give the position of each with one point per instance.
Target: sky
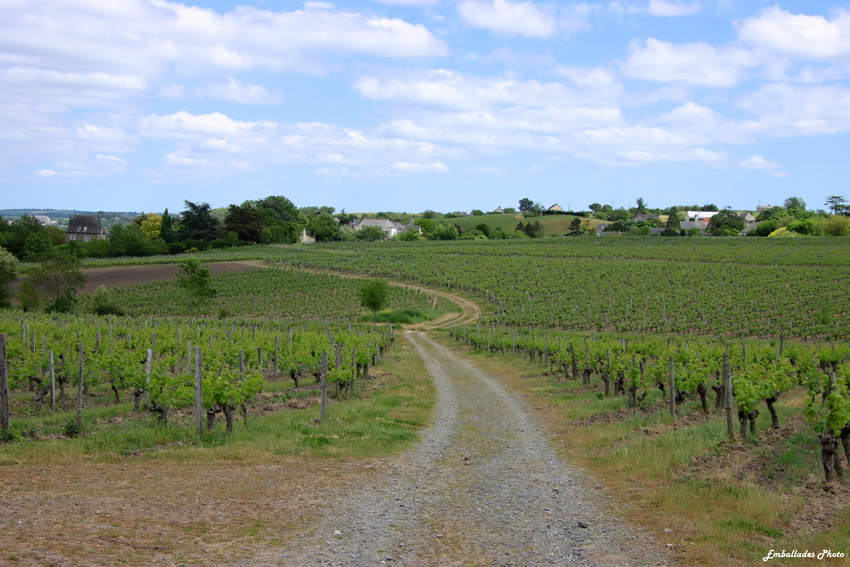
(409, 105)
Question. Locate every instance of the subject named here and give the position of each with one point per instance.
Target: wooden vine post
(672, 388)
(4, 386)
(80, 390)
(727, 394)
(52, 371)
(199, 397)
(323, 408)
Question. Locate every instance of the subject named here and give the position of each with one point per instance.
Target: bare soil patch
(152, 512)
(131, 275)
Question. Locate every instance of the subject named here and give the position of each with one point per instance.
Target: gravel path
(482, 488)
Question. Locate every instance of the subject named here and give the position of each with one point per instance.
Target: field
(587, 330)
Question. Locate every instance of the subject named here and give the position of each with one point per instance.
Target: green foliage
(102, 302)
(837, 225)
(408, 236)
(370, 234)
(8, 273)
(373, 295)
(444, 232)
(194, 278)
(54, 282)
(197, 223)
(324, 227)
(726, 223)
(246, 222)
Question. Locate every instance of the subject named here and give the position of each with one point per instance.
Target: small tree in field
(373, 295)
(195, 279)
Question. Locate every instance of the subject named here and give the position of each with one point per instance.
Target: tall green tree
(726, 223)
(324, 228)
(373, 295)
(55, 281)
(197, 223)
(246, 221)
(195, 279)
(836, 203)
(8, 273)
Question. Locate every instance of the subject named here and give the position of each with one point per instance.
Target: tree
(150, 224)
(370, 234)
(246, 222)
(836, 203)
(373, 295)
(281, 218)
(575, 228)
(526, 205)
(726, 223)
(8, 274)
(477, 213)
(56, 280)
(324, 228)
(195, 279)
(838, 225)
(197, 223)
(796, 207)
(37, 245)
(444, 232)
(641, 205)
(408, 235)
(594, 207)
(129, 240)
(166, 227)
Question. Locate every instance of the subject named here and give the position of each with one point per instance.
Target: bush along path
(482, 488)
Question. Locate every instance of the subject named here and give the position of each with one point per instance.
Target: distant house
(82, 228)
(498, 210)
(643, 217)
(43, 219)
(747, 217)
(700, 216)
(761, 208)
(390, 228)
(688, 225)
(556, 208)
(306, 238)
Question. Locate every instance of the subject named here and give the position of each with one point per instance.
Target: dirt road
(483, 488)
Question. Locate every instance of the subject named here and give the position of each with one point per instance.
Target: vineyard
(724, 344)
(262, 294)
(729, 288)
(744, 376)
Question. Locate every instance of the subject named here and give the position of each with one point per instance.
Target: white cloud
(144, 38)
(672, 9)
(450, 89)
(414, 167)
(46, 173)
(799, 35)
(509, 18)
(787, 110)
(185, 125)
(758, 162)
(234, 91)
(698, 64)
(408, 2)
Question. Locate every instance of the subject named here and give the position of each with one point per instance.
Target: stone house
(82, 228)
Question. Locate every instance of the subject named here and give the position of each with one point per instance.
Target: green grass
(401, 316)
(553, 225)
(713, 501)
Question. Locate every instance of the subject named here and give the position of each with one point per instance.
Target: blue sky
(410, 105)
